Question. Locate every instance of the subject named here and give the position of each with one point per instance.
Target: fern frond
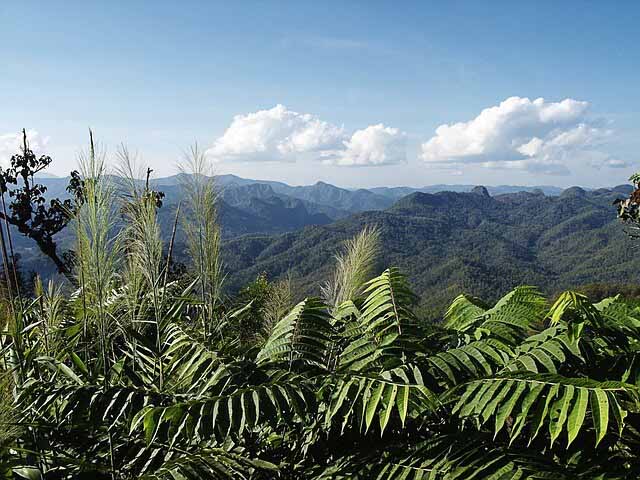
(272, 403)
(477, 359)
(385, 314)
(545, 351)
(211, 463)
(514, 315)
(463, 312)
(536, 400)
(399, 393)
(571, 306)
(466, 456)
(302, 335)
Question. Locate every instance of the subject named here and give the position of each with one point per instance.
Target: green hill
(463, 242)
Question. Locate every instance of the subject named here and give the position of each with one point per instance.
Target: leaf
(28, 473)
(151, 425)
(463, 312)
(402, 401)
(560, 408)
(600, 410)
(578, 412)
(389, 402)
(372, 404)
(79, 363)
(139, 417)
(507, 407)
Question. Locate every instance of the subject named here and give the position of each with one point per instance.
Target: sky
(357, 93)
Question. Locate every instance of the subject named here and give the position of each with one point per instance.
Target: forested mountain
(260, 206)
(321, 196)
(448, 242)
(242, 196)
(453, 242)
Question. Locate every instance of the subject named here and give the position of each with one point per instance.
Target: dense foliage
(28, 210)
(135, 375)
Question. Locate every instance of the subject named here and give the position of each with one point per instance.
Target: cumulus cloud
(536, 136)
(282, 135)
(277, 134)
(374, 145)
(11, 143)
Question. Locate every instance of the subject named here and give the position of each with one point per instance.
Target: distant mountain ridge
(473, 242)
(399, 192)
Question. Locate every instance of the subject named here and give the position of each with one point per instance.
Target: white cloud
(277, 134)
(601, 160)
(535, 136)
(11, 143)
(282, 135)
(374, 145)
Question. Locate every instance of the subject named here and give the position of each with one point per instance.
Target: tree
(28, 209)
(629, 208)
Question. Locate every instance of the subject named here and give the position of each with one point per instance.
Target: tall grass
(203, 232)
(51, 308)
(98, 247)
(354, 265)
(9, 414)
(143, 272)
(277, 305)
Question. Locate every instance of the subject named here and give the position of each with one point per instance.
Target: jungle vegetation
(139, 373)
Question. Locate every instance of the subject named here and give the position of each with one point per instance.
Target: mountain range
(447, 238)
(472, 242)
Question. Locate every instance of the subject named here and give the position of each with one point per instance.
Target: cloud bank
(536, 136)
(519, 134)
(282, 135)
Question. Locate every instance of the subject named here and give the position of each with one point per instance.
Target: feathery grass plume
(51, 311)
(141, 235)
(98, 247)
(143, 252)
(277, 305)
(10, 428)
(202, 230)
(354, 266)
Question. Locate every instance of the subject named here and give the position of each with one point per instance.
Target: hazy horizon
(47, 175)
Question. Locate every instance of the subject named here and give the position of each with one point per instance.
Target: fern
(385, 314)
(302, 335)
(232, 414)
(210, 463)
(545, 400)
(545, 351)
(463, 312)
(399, 393)
(480, 358)
(514, 315)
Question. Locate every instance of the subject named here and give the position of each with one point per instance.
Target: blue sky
(362, 87)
